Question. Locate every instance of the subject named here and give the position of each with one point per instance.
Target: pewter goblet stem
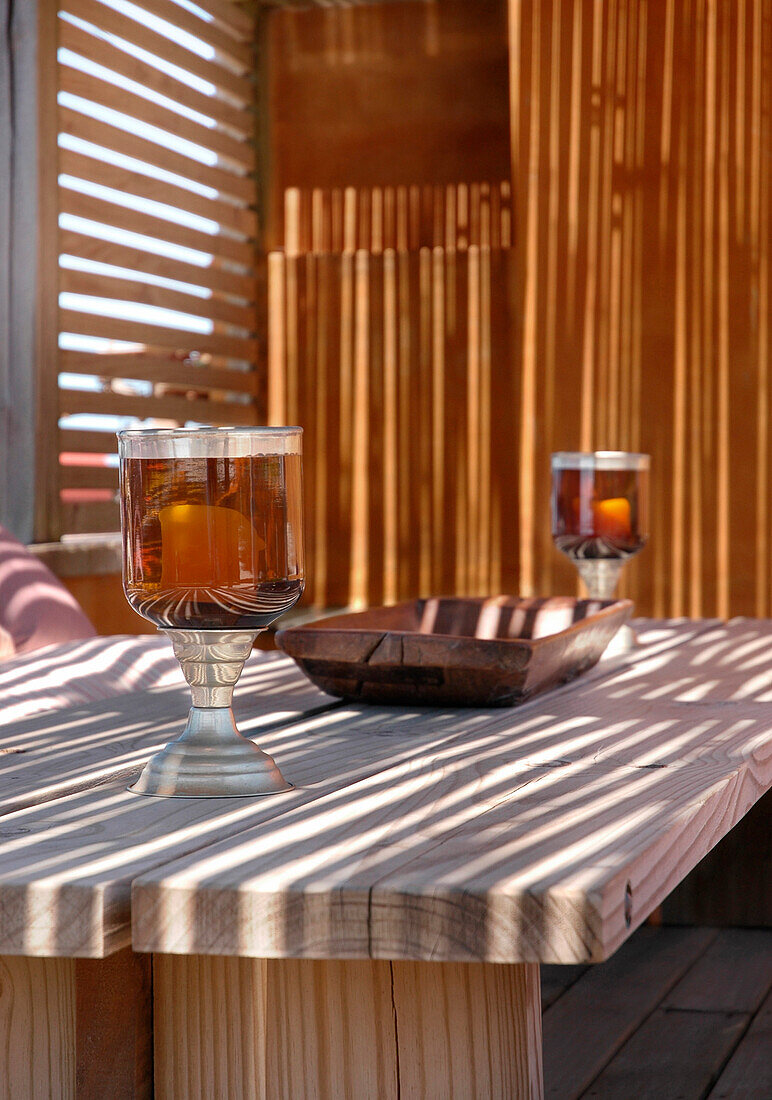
(211, 757)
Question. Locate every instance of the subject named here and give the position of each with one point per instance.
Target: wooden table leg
(37, 1028)
(76, 1028)
(114, 1027)
(253, 1029)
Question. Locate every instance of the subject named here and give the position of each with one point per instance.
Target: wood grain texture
(141, 105)
(156, 368)
(331, 1030)
(495, 652)
(660, 1018)
(80, 905)
(168, 406)
(37, 1029)
(81, 42)
(544, 835)
(213, 278)
(222, 181)
(220, 246)
(227, 83)
(76, 1029)
(210, 1028)
(468, 1030)
(233, 50)
(130, 290)
(237, 218)
(368, 1029)
(232, 152)
(114, 1027)
(629, 309)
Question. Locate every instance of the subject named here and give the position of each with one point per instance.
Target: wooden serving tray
(491, 652)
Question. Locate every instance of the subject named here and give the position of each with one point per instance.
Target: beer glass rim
(185, 433)
(209, 442)
(600, 460)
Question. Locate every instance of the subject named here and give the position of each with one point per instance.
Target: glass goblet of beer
(600, 505)
(212, 522)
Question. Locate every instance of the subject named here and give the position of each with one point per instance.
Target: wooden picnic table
(377, 931)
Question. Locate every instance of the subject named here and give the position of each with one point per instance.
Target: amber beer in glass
(212, 522)
(212, 541)
(600, 504)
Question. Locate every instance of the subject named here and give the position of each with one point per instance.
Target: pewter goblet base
(601, 576)
(211, 759)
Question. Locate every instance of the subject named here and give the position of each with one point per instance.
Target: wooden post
(114, 1027)
(47, 519)
(37, 1028)
(252, 1029)
(76, 1028)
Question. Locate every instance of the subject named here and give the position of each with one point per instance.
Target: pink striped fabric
(35, 608)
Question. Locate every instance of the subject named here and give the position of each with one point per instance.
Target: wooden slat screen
(625, 304)
(642, 133)
(158, 310)
(390, 358)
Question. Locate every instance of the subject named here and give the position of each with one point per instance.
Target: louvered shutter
(156, 236)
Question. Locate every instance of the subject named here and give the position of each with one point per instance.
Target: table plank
(66, 866)
(76, 673)
(546, 834)
(49, 753)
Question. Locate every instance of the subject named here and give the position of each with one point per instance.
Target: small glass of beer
(212, 522)
(600, 506)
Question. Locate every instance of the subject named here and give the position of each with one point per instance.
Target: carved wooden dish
(492, 652)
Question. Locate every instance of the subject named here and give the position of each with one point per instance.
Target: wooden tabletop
(542, 833)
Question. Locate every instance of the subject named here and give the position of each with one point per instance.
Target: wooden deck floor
(676, 1014)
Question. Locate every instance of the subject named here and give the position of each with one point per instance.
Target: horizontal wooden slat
(127, 290)
(227, 82)
(86, 519)
(237, 53)
(167, 408)
(230, 17)
(74, 82)
(110, 137)
(110, 213)
(89, 324)
(238, 218)
(74, 441)
(107, 252)
(88, 477)
(238, 120)
(157, 369)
